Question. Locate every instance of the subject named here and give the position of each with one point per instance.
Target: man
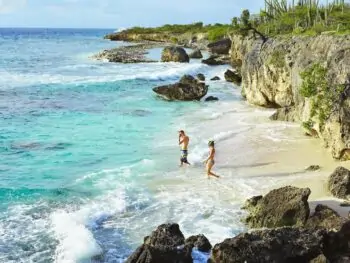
(184, 141)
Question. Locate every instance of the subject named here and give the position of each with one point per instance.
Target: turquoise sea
(89, 155)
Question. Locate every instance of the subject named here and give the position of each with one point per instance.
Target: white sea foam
(73, 229)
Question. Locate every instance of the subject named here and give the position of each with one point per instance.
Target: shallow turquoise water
(80, 143)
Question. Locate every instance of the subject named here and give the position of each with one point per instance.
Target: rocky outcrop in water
(201, 77)
(271, 77)
(215, 60)
(211, 98)
(285, 206)
(126, 54)
(216, 78)
(165, 244)
(233, 76)
(187, 89)
(174, 54)
(197, 54)
(221, 47)
(339, 183)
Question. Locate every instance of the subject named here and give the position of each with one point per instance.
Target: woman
(210, 160)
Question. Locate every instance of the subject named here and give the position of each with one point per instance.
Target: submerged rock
(215, 78)
(234, 77)
(165, 244)
(285, 206)
(273, 245)
(211, 98)
(201, 77)
(187, 89)
(313, 168)
(197, 54)
(339, 183)
(221, 47)
(215, 60)
(175, 54)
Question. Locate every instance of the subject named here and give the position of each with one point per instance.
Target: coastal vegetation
(279, 17)
(321, 93)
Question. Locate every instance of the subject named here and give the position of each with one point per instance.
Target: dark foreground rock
(285, 206)
(234, 77)
(201, 77)
(187, 89)
(215, 78)
(197, 54)
(211, 98)
(215, 60)
(200, 242)
(221, 47)
(325, 218)
(270, 246)
(165, 244)
(339, 183)
(174, 54)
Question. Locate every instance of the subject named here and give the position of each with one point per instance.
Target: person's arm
(181, 141)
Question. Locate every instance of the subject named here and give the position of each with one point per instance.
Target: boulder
(271, 246)
(325, 218)
(215, 60)
(313, 168)
(234, 77)
(201, 77)
(339, 183)
(211, 98)
(187, 89)
(165, 244)
(215, 78)
(196, 54)
(200, 242)
(221, 47)
(286, 206)
(174, 54)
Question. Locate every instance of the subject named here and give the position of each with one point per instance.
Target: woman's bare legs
(209, 172)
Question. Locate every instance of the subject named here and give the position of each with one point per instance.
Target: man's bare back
(184, 140)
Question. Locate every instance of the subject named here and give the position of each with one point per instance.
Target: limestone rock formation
(200, 242)
(166, 244)
(215, 60)
(233, 76)
(197, 54)
(201, 77)
(187, 89)
(285, 206)
(175, 54)
(282, 245)
(339, 183)
(221, 47)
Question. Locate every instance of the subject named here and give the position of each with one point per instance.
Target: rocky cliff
(304, 78)
(193, 40)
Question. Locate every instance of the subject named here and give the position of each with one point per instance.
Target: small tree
(245, 17)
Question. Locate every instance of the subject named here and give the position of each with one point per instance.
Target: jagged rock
(187, 89)
(215, 78)
(339, 183)
(320, 259)
(211, 98)
(175, 54)
(234, 77)
(221, 47)
(313, 168)
(201, 77)
(325, 218)
(285, 114)
(282, 245)
(196, 54)
(200, 242)
(285, 206)
(166, 244)
(215, 60)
